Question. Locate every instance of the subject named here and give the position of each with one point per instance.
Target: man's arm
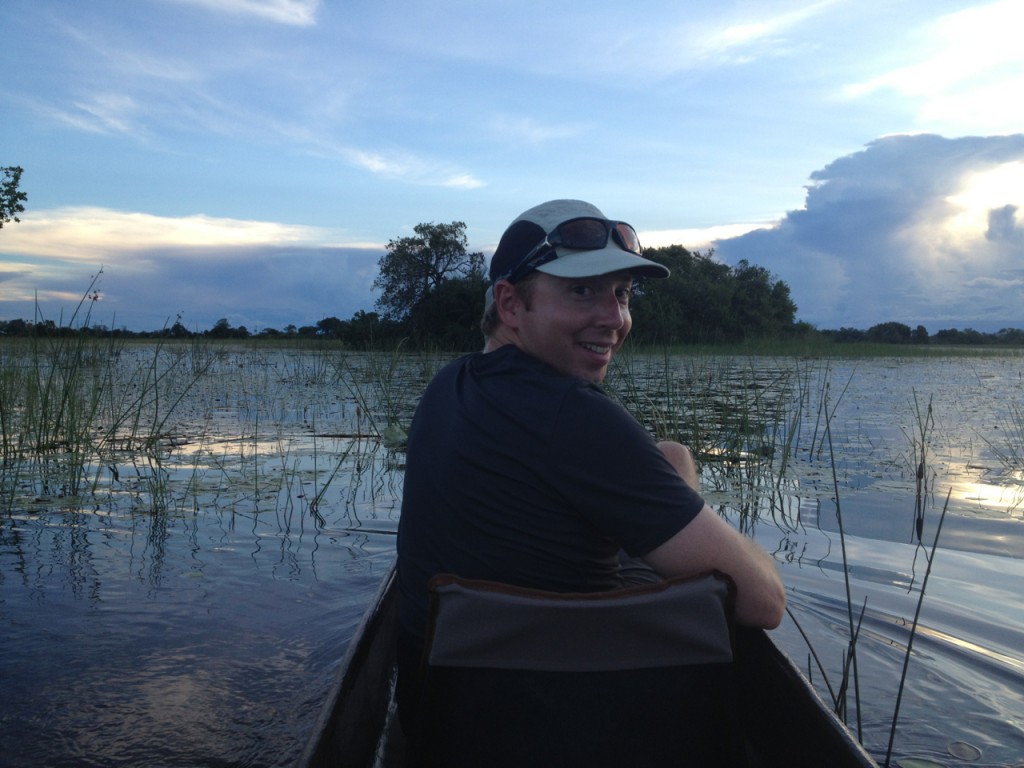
(709, 542)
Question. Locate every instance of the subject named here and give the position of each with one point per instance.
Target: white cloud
(529, 130)
(410, 168)
(737, 42)
(966, 73)
(918, 229)
(106, 113)
(697, 238)
(97, 235)
(295, 12)
(461, 181)
(256, 273)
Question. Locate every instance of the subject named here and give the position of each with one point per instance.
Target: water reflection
(192, 611)
(878, 445)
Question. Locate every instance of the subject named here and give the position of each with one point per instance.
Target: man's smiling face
(576, 324)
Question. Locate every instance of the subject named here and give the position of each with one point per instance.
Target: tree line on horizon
(432, 296)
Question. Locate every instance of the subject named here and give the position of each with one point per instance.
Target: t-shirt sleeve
(609, 469)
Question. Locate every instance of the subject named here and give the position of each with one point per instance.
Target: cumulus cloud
(697, 238)
(1003, 225)
(917, 229)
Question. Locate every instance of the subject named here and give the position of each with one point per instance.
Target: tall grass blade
(913, 631)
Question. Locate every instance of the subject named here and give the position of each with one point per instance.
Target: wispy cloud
(520, 129)
(126, 59)
(719, 38)
(967, 69)
(740, 41)
(102, 113)
(297, 12)
(410, 168)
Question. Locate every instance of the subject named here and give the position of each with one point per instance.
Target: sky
(250, 160)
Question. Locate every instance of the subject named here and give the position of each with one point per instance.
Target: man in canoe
(520, 469)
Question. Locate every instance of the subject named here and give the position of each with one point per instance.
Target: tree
(705, 301)
(179, 331)
(890, 333)
(11, 200)
(687, 307)
(450, 315)
(330, 328)
(761, 305)
(222, 330)
(415, 268)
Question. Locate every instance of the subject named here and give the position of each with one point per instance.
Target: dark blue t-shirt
(518, 474)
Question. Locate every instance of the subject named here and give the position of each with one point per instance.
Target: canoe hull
(350, 727)
(783, 718)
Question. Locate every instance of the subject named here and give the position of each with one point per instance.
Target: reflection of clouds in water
(1002, 491)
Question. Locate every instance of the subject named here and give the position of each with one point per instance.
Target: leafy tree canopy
(705, 301)
(11, 199)
(417, 274)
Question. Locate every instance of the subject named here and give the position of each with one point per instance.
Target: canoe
(783, 718)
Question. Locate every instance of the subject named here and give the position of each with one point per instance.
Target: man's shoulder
(517, 380)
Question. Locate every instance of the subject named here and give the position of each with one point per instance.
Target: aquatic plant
(73, 405)
(747, 421)
(386, 385)
(913, 633)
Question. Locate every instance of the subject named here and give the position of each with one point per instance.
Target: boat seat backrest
(670, 623)
(636, 677)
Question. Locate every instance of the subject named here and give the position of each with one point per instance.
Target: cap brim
(572, 263)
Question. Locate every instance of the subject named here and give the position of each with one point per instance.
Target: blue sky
(250, 159)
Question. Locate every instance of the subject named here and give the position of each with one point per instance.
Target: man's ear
(508, 303)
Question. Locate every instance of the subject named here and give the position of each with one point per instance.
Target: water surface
(189, 605)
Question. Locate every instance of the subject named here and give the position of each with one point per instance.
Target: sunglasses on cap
(586, 233)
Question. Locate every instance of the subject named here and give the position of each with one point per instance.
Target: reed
(50, 396)
(746, 423)
(850, 661)
(919, 440)
(1009, 448)
(739, 416)
(75, 404)
(385, 384)
(913, 633)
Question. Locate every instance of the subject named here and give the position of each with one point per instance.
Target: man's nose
(611, 311)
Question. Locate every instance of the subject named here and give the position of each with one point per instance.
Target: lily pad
(964, 751)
